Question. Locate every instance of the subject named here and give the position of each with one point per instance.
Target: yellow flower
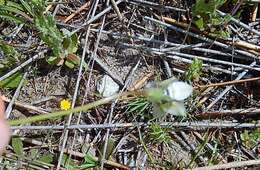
(65, 104)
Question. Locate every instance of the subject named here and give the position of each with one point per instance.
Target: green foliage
(89, 162)
(12, 82)
(17, 145)
(111, 144)
(9, 8)
(32, 156)
(48, 158)
(139, 105)
(67, 163)
(158, 135)
(205, 17)
(194, 70)
(250, 138)
(63, 44)
(11, 57)
(50, 33)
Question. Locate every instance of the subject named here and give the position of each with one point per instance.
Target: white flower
(176, 109)
(178, 90)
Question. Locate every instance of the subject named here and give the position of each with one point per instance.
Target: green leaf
(69, 64)
(194, 70)
(110, 147)
(12, 8)
(12, 82)
(158, 135)
(89, 162)
(28, 7)
(71, 43)
(90, 159)
(199, 23)
(138, 105)
(50, 34)
(52, 60)
(67, 163)
(46, 158)
(66, 43)
(17, 145)
(15, 5)
(250, 138)
(74, 44)
(12, 18)
(205, 15)
(10, 52)
(33, 153)
(2, 2)
(204, 7)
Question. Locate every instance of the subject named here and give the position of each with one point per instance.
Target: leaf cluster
(33, 156)
(63, 44)
(250, 138)
(158, 134)
(9, 57)
(206, 18)
(194, 70)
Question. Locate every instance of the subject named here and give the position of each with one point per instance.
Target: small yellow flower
(65, 104)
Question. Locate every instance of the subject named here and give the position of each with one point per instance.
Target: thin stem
(57, 114)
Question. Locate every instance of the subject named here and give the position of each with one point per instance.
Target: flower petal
(158, 112)
(176, 109)
(179, 90)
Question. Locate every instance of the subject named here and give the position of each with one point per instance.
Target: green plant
(17, 145)
(12, 82)
(249, 138)
(68, 163)
(32, 156)
(194, 70)
(198, 151)
(10, 58)
(14, 12)
(62, 43)
(206, 18)
(89, 162)
(158, 134)
(139, 106)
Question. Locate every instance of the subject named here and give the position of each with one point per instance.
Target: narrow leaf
(17, 145)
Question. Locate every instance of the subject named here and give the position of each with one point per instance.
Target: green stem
(199, 150)
(58, 114)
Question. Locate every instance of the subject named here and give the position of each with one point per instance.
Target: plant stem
(199, 150)
(58, 114)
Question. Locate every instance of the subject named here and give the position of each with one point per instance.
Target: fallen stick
(229, 82)
(86, 5)
(231, 165)
(25, 106)
(237, 43)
